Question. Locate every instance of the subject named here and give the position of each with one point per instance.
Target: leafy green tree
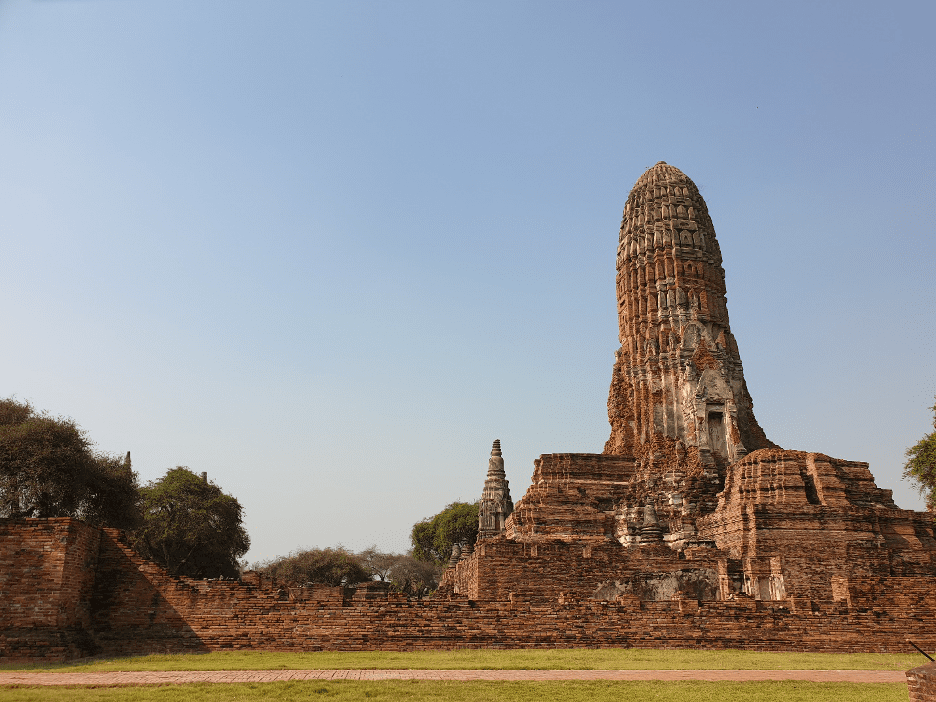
(190, 527)
(115, 500)
(324, 566)
(433, 538)
(49, 468)
(920, 467)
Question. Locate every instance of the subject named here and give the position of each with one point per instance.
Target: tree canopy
(190, 527)
(338, 566)
(920, 467)
(379, 564)
(323, 566)
(434, 537)
(413, 577)
(49, 468)
(404, 573)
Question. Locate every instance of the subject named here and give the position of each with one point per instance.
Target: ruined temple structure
(495, 505)
(690, 530)
(690, 500)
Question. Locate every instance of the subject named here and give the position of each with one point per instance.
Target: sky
(329, 251)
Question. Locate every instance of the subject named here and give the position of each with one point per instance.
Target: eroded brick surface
(921, 683)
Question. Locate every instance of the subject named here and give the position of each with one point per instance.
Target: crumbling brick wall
(226, 616)
(135, 607)
(921, 683)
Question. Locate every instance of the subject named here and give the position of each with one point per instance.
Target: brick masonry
(47, 576)
(132, 606)
(921, 683)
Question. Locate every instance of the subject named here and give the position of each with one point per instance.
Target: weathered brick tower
(678, 400)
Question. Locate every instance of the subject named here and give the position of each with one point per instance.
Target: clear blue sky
(328, 251)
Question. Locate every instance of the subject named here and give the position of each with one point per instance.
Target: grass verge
(422, 691)
(490, 659)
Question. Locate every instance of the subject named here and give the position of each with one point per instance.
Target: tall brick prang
(678, 399)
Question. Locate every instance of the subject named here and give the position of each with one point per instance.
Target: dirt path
(177, 677)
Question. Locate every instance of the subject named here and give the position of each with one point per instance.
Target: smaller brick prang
(495, 505)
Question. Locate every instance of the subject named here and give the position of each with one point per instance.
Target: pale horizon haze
(329, 251)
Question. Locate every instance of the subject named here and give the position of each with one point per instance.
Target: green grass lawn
(489, 659)
(422, 691)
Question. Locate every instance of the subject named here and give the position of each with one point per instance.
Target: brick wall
(921, 683)
(47, 570)
(227, 615)
(135, 607)
(545, 570)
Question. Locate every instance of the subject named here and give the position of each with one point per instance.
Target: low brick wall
(138, 609)
(921, 683)
(225, 616)
(134, 607)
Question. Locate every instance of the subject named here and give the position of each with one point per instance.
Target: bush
(325, 566)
